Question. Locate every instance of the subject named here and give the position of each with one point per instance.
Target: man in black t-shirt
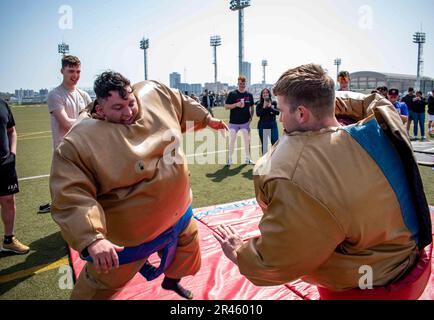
(241, 106)
(408, 100)
(9, 180)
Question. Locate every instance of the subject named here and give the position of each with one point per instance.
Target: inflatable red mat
(218, 278)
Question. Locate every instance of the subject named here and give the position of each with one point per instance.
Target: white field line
(31, 134)
(188, 156)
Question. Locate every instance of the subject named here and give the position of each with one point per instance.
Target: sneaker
(229, 163)
(16, 247)
(423, 139)
(45, 208)
(413, 139)
(249, 161)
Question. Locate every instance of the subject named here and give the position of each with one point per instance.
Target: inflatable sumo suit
(128, 184)
(338, 201)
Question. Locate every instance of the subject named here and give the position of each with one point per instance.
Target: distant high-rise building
(175, 80)
(247, 71)
(196, 88)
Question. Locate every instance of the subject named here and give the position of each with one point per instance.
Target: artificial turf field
(41, 273)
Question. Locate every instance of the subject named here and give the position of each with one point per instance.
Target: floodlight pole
(264, 66)
(215, 41)
(419, 38)
(338, 62)
(239, 5)
(63, 48)
(144, 45)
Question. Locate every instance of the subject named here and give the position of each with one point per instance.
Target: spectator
(9, 181)
(208, 101)
(419, 109)
(65, 103)
(344, 81)
(194, 97)
(431, 114)
(408, 100)
(383, 91)
(266, 110)
(241, 105)
(401, 107)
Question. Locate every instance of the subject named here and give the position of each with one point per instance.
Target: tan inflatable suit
(113, 181)
(330, 210)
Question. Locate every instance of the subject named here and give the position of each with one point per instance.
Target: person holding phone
(266, 110)
(241, 105)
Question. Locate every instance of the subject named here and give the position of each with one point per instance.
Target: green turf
(211, 184)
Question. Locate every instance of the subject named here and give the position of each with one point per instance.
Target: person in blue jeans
(266, 110)
(419, 105)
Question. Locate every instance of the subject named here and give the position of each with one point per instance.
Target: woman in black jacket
(266, 110)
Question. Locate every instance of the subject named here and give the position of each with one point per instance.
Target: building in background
(196, 88)
(247, 72)
(175, 80)
(366, 81)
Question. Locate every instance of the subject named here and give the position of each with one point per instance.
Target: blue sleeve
(404, 109)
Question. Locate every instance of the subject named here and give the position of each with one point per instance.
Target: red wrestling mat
(218, 278)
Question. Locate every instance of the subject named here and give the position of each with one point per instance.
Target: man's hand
(229, 240)
(217, 124)
(104, 255)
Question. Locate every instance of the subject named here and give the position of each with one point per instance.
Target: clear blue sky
(367, 35)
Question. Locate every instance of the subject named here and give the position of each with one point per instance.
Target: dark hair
(420, 92)
(111, 81)
(344, 74)
(70, 61)
(411, 89)
(261, 98)
(308, 85)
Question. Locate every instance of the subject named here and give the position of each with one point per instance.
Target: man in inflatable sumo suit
(120, 188)
(336, 200)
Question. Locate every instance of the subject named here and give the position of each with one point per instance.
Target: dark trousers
(419, 120)
(268, 130)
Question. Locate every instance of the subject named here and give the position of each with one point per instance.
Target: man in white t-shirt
(65, 103)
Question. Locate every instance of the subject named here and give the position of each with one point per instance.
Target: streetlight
(264, 65)
(239, 5)
(215, 41)
(338, 62)
(63, 48)
(144, 45)
(419, 39)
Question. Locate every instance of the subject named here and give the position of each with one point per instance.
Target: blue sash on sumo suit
(165, 243)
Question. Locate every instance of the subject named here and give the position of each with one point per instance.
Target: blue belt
(165, 242)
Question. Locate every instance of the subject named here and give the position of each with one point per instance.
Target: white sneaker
(229, 163)
(249, 161)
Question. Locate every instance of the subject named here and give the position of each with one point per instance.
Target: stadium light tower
(239, 5)
(63, 48)
(264, 65)
(215, 41)
(144, 45)
(338, 62)
(419, 38)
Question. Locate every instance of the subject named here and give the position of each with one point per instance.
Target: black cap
(393, 92)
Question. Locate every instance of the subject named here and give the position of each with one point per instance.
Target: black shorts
(9, 179)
